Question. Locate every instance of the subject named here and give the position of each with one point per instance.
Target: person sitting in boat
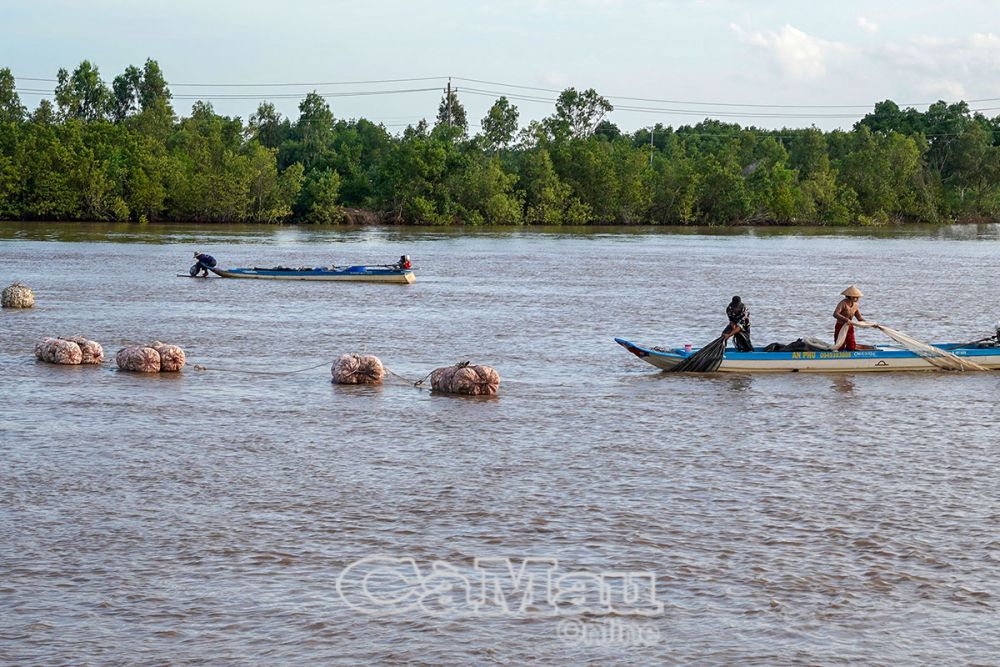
(205, 262)
(404, 262)
(848, 310)
(739, 325)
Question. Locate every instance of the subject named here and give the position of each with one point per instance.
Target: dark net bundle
(706, 360)
(467, 379)
(172, 357)
(59, 351)
(139, 359)
(357, 369)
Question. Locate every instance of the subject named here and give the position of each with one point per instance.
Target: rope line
(199, 367)
(406, 379)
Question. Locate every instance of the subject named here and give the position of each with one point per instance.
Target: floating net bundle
(138, 358)
(357, 369)
(172, 357)
(17, 295)
(59, 351)
(467, 379)
(91, 350)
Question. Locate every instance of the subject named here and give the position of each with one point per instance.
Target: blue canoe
(882, 358)
(365, 274)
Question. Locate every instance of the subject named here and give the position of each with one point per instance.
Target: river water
(206, 517)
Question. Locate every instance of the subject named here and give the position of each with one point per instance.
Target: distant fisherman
(739, 325)
(404, 262)
(205, 262)
(846, 311)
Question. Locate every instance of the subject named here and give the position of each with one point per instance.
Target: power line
(227, 96)
(274, 85)
(530, 88)
(720, 104)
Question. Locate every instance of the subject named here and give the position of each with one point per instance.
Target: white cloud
(797, 55)
(945, 67)
(949, 90)
(867, 26)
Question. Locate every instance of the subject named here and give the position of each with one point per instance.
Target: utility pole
(448, 101)
(651, 129)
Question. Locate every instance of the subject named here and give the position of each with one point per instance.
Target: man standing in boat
(739, 325)
(205, 262)
(846, 311)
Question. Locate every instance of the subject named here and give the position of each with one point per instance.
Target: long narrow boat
(365, 274)
(820, 361)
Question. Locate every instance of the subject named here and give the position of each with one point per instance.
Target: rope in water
(199, 367)
(408, 381)
(420, 382)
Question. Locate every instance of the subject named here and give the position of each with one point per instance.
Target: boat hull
(367, 275)
(879, 360)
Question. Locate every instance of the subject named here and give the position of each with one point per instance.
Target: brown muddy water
(215, 518)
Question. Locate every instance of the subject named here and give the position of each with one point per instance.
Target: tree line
(120, 152)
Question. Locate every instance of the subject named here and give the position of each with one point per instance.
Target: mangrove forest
(121, 152)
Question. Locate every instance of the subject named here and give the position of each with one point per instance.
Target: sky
(767, 63)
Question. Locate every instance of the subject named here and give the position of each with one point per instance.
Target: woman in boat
(739, 325)
(846, 311)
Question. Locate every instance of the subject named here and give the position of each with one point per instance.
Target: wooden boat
(882, 358)
(365, 274)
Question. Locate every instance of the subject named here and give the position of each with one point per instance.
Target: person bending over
(205, 262)
(739, 325)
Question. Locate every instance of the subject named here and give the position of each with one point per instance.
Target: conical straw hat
(852, 291)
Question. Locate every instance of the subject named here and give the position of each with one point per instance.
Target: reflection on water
(204, 517)
(843, 383)
(168, 233)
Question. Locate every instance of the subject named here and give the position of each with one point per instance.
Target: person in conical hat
(848, 310)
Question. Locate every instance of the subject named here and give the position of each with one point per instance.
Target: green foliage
(311, 136)
(412, 181)
(484, 193)
(318, 198)
(82, 95)
(451, 113)
(11, 109)
(578, 114)
(267, 126)
(546, 198)
(125, 87)
(120, 153)
(500, 124)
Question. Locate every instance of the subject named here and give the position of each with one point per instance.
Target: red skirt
(849, 342)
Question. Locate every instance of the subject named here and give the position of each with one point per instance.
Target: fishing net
(465, 378)
(139, 359)
(357, 369)
(59, 351)
(706, 360)
(934, 355)
(172, 357)
(17, 295)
